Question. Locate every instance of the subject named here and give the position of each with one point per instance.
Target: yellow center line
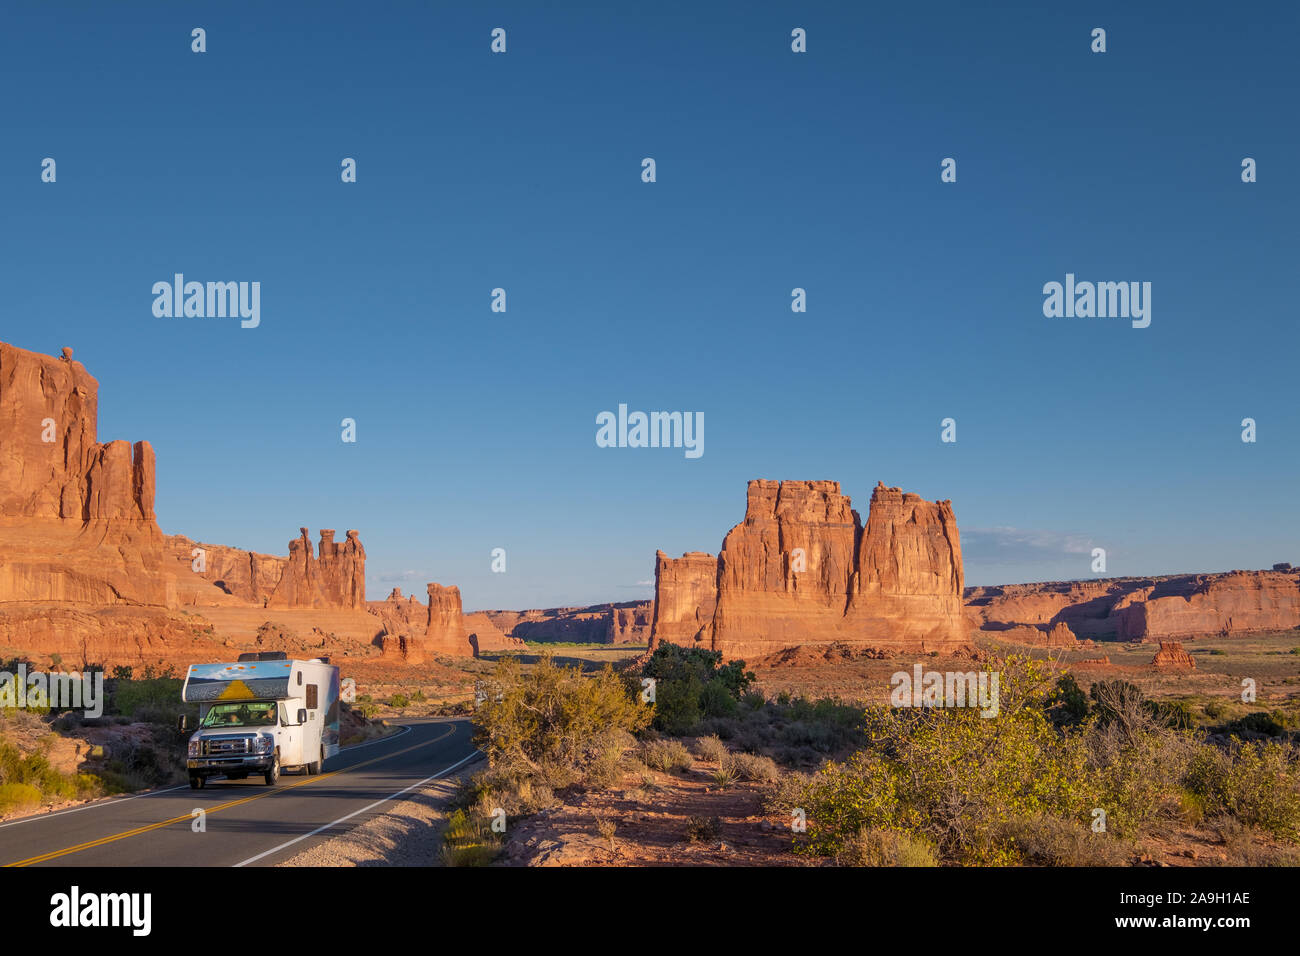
(223, 806)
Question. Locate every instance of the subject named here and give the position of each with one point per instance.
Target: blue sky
(776, 170)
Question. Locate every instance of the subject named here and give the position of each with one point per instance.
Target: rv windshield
(254, 714)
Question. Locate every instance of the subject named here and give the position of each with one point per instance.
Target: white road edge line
(391, 796)
(114, 801)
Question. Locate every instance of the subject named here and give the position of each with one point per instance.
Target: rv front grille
(224, 746)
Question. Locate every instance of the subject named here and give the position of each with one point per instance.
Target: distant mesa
(625, 623)
(1172, 607)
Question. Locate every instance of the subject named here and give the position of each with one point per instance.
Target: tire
(314, 768)
(197, 781)
(273, 775)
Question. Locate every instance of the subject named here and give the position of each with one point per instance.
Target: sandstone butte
(1173, 607)
(801, 569)
(86, 573)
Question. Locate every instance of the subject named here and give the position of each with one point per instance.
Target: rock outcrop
(1171, 654)
(248, 576)
(802, 570)
(1173, 607)
(86, 573)
(686, 595)
(76, 515)
(444, 631)
(484, 636)
(336, 579)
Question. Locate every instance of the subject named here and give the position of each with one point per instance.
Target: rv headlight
(195, 744)
(263, 744)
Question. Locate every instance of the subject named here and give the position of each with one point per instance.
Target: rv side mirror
(182, 723)
(302, 716)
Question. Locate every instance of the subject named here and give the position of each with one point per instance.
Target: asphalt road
(247, 823)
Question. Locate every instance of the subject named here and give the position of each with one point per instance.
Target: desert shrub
(1257, 784)
(153, 700)
(399, 701)
(1259, 722)
(710, 749)
(1241, 846)
(32, 772)
(553, 714)
(724, 776)
(468, 840)
(665, 755)
(677, 705)
(755, 769)
(703, 829)
(1176, 714)
(693, 683)
(753, 700)
(717, 701)
(1215, 709)
(886, 848)
(1068, 703)
(18, 796)
(1043, 840)
(787, 794)
(955, 777)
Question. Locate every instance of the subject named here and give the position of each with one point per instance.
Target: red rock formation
(404, 621)
(686, 595)
(1171, 654)
(337, 579)
(630, 624)
(444, 631)
(342, 570)
(910, 573)
(801, 569)
(246, 575)
(76, 516)
(1147, 609)
(85, 571)
(1058, 635)
(484, 636)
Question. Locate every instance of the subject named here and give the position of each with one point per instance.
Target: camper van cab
(260, 715)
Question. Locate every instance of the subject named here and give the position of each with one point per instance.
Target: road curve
(245, 822)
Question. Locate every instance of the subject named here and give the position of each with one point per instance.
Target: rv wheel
(273, 774)
(196, 781)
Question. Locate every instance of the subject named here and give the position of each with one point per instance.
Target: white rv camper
(260, 715)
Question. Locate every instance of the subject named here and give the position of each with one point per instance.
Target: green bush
(1273, 724)
(1068, 703)
(1257, 784)
(693, 683)
(18, 796)
(553, 714)
(665, 755)
(886, 848)
(468, 840)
